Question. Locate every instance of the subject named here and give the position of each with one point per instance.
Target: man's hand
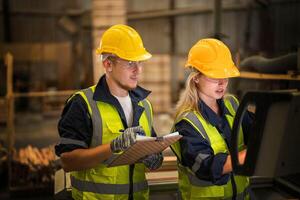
(153, 161)
(126, 139)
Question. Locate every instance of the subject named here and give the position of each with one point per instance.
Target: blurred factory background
(48, 51)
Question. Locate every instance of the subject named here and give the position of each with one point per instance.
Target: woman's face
(211, 88)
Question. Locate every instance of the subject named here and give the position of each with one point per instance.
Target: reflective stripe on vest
(198, 161)
(194, 119)
(233, 102)
(96, 118)
(193, 179)
(102, 188)
(198, 182)
(72, 141)
(147, 107)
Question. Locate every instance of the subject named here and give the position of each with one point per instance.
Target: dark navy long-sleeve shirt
(192, 143)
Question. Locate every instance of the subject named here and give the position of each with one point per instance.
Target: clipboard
(142, 147)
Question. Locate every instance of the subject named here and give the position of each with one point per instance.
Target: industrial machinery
(272, 158)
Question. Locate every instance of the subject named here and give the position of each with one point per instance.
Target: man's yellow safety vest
(190, 186)
(102, 182)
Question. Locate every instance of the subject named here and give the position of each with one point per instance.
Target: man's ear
(107, 64)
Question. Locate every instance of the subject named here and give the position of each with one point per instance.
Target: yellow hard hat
(124, 42)
(212, 58)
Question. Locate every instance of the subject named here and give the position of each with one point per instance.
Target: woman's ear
(196, 80)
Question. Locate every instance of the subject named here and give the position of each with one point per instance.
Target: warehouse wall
(270, 28)
(46, 22)
(142, 6)
(250, 25)
(248, 28)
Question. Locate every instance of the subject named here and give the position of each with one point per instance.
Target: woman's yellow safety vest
(190, 186)
(102, 182)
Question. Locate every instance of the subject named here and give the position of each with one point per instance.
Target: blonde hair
(189, 98)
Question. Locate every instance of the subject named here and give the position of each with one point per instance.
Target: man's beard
(124, 87)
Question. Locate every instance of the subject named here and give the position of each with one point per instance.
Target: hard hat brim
(227, 72)
(144, 55)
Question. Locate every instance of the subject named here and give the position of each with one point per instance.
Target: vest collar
(210, 115)
(103, 94)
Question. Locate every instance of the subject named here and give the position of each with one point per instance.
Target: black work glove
(153, 161)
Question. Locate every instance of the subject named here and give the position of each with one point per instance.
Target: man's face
(126, 73)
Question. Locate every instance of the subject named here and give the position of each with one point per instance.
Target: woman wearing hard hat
(204, 116)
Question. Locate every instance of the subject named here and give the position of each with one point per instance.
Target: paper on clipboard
(142, 147)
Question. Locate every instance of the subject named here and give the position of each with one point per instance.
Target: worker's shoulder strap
(232, 100)
(95, 116)
(193, 119)
(148, 109)
(93, 112)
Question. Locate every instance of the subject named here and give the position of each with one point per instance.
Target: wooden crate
(98, 69)
(157, 69)
(160, 96)
(181, 60)
(156, 76)
(107, 13)
(97, 34)
(32, 172)
(104, 14)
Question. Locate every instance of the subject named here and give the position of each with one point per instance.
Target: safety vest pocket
(102, 174)
(113, 127)
(105, 171)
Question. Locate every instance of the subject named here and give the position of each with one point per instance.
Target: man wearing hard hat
(105, 119)
(204, 116)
